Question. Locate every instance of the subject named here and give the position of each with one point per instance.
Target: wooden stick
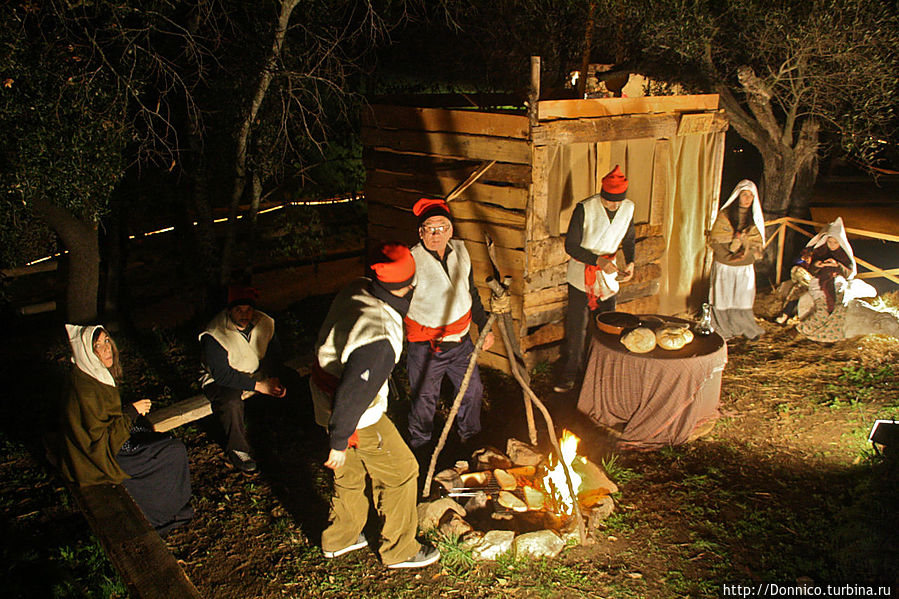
(463, 386)
(474, 176)
(551, 429)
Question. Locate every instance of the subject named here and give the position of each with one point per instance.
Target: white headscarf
(757, 217)
(838, 232)
(83, 356)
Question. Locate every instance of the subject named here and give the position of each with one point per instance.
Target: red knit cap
(425, 208)
(241, 294)
(394, 267)
(614, 185)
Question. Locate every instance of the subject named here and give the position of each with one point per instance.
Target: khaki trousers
(384, 456)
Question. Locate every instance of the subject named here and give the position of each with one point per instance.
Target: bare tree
(786, 72)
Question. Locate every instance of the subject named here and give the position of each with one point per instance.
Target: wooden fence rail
(788, 222)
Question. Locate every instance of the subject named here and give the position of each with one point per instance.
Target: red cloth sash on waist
(416, 332)
(590, 271)
(327, 384)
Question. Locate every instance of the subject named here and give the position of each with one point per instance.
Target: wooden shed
(550, 154)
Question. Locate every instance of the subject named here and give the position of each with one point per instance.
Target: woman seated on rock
(102, 441)
(824, 309)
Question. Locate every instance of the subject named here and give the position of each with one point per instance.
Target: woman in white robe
(737, 240)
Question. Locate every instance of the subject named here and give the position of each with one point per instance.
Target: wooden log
(604, 107)
(643, 305)
(640, 290)
(546, 314)
(513, 175)
(647, 250)
(645, 272)
(39, 308)
(429, 185)
(647, 230)
(550, 295)
(615, 128)
(180, 413)
(548, 333)
(139, 555)
(701, 123)
(548, 277)
(495, 361)
(450, 144)
(446, 120)
(543, 212)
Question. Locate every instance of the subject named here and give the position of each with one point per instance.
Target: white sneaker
(426, 556)
(361, 542)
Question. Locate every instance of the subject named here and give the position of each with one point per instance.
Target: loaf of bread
(640, 341)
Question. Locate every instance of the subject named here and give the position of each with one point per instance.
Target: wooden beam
(643, 305)
(446, 120)
(39, 308)
(661, 162)
(21, 271)
(459, 145)
(548, 333)
(542, 214)
(615, 128)
(429, 185)
(514, 175)
(454, 100)
(703, 122)
(139, 555)
(179, 413)
(604, 107)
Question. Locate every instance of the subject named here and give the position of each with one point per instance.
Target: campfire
(519, 500)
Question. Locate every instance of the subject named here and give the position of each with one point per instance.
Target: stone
(602, 510)
(523, 454)
(456, 527)
(470, 539)
(543, 543)
(431, 513)
(449, 479)
(494, 544)
(488, 458)
(478, 501)
(592, 477)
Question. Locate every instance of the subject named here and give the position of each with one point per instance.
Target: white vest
(356, 318)
(243, 355)
(602, 237)
(441, 298)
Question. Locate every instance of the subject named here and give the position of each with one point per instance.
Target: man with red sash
(438, 325)
(599, 226)
(358, 346)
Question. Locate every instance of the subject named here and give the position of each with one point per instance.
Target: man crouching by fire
(358, 346)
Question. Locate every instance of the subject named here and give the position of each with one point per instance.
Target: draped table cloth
(663, 397)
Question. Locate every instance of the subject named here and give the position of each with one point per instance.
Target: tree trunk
(243, 137)
(81, 241)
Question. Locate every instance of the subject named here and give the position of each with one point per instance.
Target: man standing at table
(438, 326)
(358, 346)
(599, 226)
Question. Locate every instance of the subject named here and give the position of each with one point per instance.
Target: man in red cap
(599, 226)
(358, 346)
(438, 326)
(240, 353)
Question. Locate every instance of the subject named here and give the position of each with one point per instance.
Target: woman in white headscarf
(737, 240)
(833, 285)
(101, 440)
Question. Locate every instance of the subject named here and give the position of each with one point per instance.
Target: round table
(663, 397)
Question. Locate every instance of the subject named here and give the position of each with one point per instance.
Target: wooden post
(534, 91)
(781, 233)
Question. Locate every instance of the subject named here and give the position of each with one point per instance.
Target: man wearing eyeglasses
(438, 325)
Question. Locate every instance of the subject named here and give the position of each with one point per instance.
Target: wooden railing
(786, 222)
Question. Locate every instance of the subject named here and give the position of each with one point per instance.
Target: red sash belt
(416, 332)
(590, 271)
(327, 384)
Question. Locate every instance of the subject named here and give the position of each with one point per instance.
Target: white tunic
(601, 236)
(243, 355)
(356, 318)
(441, 297)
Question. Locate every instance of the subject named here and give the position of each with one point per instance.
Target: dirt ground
(784, 490)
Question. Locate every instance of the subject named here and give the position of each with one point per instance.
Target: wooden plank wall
(412, 153)
(589, 121)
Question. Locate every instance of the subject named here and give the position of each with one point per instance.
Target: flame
(554, 481)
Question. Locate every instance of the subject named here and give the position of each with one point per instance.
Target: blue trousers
(426, 370)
